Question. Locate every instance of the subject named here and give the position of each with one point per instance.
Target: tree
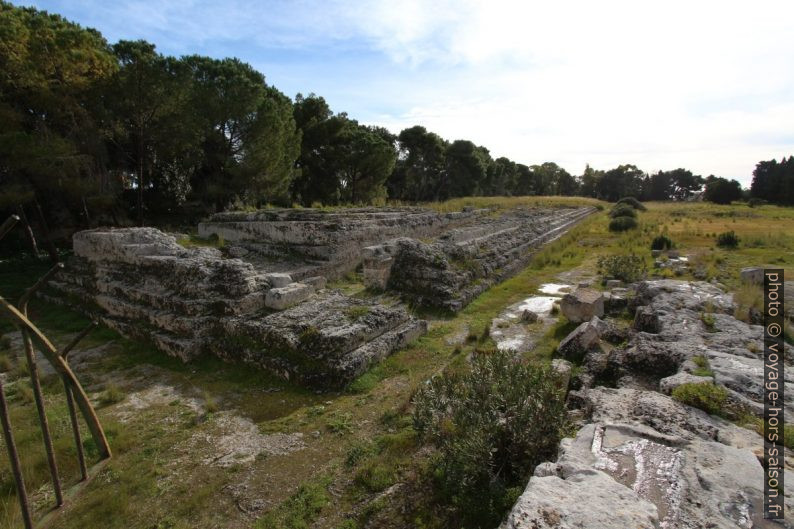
(421, 165)
(249, 138)
(588, 182)
(773, 181)
(366, 160)
(500, 177)
(466, 166)
(524, 181)
(622, 181)
(551, 179)
(721, 190)
(51, 147)
(684, 183)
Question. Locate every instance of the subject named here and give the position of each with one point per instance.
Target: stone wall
(190, 302)
(454, 268)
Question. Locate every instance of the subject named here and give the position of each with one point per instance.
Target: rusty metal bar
(35, 382)
(23, 301)
(68, 349)
(78, 440)
(9, 223)
(43, 422)
(16, 467)
(60, 365)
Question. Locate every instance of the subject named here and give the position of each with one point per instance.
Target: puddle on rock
(511, 333)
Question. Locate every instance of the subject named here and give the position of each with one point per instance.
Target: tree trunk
(50, 245)
(34, 248)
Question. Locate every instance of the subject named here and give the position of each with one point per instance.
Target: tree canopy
(104, 134)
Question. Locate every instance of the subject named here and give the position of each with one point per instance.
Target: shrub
(706, 396)
(661, 242)
(628, 268)
(727, 239)
(623, 210)
(622, 224)
(491, 426)
(703, 367)
(633, 202)
(111, 395)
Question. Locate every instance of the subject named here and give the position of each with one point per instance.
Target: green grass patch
(706, 396)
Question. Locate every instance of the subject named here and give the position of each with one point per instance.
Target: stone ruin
(641, 458)
(263, 299)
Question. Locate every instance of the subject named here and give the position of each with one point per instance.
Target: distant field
(359, 442)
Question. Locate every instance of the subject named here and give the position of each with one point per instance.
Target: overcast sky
(698, 84)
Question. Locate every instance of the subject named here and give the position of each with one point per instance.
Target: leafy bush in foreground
(628, 268)
(623, 210)
(728, 239)
(622, 224)
(633, 202)
(661, 242)
(491, 425)
(706, 396)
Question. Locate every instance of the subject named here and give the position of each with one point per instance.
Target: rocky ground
(641, 458)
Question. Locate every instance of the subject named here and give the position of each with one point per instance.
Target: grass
(300, 510)
(194, 241)
(703, 368)
(706, 396)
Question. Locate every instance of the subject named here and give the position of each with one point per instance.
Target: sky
(705, 85)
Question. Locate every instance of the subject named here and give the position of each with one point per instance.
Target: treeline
(95, 133)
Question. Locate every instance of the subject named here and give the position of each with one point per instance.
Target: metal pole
(45, 426)
(16, 468)
(78, 440)
(36, 384)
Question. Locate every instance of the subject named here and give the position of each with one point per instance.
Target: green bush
(633, 202)
(628, 268)
(727, 239)
(706, 396)
(623, 210)
(491, 426)
(661, 242)
(622, 224)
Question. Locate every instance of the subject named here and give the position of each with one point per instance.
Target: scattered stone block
(656, 253)
(278, 280)
(316, 282)
(614, 283)
(581, 339)
(582, 305)
(753, 274)
(646, 320)
(288, 296)
(529, 316)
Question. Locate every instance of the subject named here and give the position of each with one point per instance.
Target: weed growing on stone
(706, 396)
(703, 367)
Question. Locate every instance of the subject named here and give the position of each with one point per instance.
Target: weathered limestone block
(647, 320)
(581, 339)
(189, 302)
(316, 282)
(278, 279)
(754, 274)
(668, 384)
(582, 305)
(285, 297)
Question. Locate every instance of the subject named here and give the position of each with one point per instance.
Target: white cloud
(706, 84)
(600, 82)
